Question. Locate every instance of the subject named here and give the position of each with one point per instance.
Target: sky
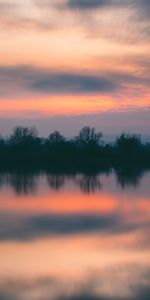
(69, 63)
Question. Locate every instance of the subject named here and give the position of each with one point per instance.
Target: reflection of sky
(68, 241)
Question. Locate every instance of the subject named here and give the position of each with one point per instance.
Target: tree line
(87, 150)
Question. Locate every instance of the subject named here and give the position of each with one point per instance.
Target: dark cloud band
(87, 4)
(42, 80)
(28, 79)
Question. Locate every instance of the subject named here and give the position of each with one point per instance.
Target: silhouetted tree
(23, 135)
(84, 152)
(128, 142)
(2, 141)
(129, 149)
(88, 136)
(55, 138)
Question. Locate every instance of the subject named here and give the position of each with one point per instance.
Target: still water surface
(75, 236)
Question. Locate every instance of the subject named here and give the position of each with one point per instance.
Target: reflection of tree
(23, 184)
(128, 178)
(56, 182)
(1, 180)
(89, 183)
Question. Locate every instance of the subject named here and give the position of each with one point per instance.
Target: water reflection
(129, 177)
(88, 183)
(56, 181)
(87, 241)
(1, 180)
(27, 183)
(22, 184)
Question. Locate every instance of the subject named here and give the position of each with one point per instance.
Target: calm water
(75, 237)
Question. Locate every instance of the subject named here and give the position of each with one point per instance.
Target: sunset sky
(69, 63)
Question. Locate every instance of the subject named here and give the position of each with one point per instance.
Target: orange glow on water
(61, 203)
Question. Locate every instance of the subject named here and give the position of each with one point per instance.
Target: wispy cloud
(19, 14)
(119, 20)
(116, 20)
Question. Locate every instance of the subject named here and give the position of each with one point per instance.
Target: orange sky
(61, 59)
